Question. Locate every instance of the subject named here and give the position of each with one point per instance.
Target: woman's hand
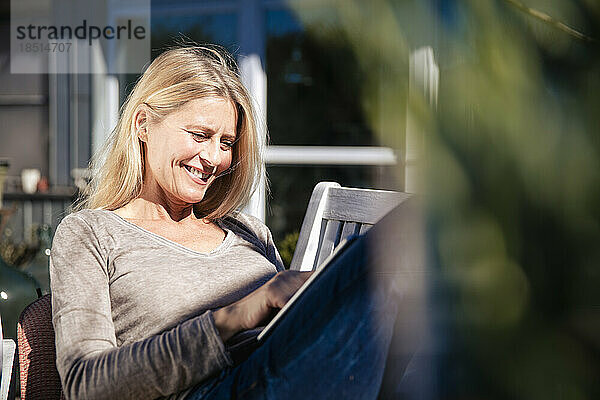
(257, 307)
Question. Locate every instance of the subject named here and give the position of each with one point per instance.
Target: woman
(157, 270)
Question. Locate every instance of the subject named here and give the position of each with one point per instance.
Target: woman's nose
(210, 152)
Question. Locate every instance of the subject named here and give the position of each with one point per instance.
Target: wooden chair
(333, 214)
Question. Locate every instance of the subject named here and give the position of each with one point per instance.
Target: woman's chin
(191, 199)
(193, 196)
(189, 192)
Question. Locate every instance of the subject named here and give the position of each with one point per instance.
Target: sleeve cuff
(216, 343)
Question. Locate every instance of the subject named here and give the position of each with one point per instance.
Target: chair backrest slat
(331, 238)
(364, 228)
(333, 214)
(350, 228)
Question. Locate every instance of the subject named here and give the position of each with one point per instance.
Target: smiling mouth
(197, 173)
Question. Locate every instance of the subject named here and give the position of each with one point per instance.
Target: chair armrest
(8, 360)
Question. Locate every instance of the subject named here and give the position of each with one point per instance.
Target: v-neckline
(221, 247)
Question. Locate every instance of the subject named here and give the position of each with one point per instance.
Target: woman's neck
(143, 208)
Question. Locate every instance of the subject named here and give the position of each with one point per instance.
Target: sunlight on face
(188, 149)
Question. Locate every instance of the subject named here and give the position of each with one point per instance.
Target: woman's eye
(198, 135)
(228, 144)
(201, 136)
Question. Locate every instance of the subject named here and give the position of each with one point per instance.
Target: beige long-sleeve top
(131, 309)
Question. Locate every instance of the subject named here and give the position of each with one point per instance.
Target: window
(314, 99)
(210, 28)
(313, 94)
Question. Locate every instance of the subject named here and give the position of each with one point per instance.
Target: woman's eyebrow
(197, 127)
(210, 131)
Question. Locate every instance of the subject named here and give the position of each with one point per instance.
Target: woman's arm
(90, 363)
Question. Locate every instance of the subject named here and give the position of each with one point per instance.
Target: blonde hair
(175, 77)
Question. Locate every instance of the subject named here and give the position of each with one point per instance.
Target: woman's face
(189, 148)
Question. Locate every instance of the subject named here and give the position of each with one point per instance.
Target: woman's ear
(141, 122)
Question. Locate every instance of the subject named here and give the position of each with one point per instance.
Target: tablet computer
(242, 344)
(281, 314)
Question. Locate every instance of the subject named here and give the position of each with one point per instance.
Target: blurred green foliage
(512, 179)
(287, 246)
